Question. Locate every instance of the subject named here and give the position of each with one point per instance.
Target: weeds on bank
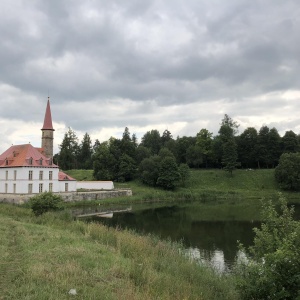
(58, 254)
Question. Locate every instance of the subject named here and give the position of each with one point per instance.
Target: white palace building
(25, 169)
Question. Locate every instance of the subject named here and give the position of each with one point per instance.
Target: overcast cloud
(179, 64)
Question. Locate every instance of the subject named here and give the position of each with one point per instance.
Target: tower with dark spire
(47, 133)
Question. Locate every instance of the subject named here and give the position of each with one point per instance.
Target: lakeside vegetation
(45, 257)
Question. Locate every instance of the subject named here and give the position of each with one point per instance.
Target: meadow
(45, 257)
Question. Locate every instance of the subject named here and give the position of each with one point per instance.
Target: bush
(273, 270)
(44, 202)
(287, 173)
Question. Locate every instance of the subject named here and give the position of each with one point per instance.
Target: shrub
(273, 270)
(287, 173)
(44, 202)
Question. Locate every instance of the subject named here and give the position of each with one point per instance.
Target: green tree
(168, 176)
(182, 144)
(152, 140)
(262, 146)
(166, 136)
(204, 142)
(149, 170)
(290, 142)
(85, 152)
(247, 147)
(67, 157)
(274, 147)
(273, 269)
(142, 153)
(287, 173)
(127, 168)
(104, 163)
(229, 147)
(230, 156)
(194, 156)
(127, 145)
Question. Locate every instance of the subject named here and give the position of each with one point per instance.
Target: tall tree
(290, 142)
(85, 153)
(229, 148)
(127, 145)
(67, 157)
(166, 136)
(104, 163)
(152, 140)
(274, 147)
(204, 142)
(247, 147)
(262, 148)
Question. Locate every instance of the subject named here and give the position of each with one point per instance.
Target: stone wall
(68, 196)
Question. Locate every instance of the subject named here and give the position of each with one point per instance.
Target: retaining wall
(68, 196)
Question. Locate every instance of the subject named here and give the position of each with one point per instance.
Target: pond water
(211, 241)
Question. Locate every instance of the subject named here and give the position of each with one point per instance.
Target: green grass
(81, 175)
(44, 257)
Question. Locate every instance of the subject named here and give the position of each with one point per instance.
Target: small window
(15, 188)
(30, 160)
(41, 175)
(6, 188)
(6, 162)
(50, 187)
(41, 161)
(30, 188)
(50, 175)
(66, 187)
(40, 188)
(30, 175)
(15, 174)
(6, 175)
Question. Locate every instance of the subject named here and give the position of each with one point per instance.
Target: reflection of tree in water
(214, 239)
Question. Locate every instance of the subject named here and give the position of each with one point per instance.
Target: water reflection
(214, 242)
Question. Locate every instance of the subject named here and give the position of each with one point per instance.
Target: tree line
(123, 159)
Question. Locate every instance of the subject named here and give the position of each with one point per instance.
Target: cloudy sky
(175, 64)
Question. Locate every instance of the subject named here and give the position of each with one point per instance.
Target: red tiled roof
(24, 156)
(63, 176)
(48, 118)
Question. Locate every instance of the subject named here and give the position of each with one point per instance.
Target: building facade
(26, 169)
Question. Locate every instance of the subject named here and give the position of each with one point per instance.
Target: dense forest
(123, 159)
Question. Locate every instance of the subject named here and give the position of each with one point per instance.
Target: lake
(212, 241)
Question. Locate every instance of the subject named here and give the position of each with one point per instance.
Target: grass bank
(245, 188)
(44, 257)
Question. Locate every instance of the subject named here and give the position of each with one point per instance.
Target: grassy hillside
(44, 257)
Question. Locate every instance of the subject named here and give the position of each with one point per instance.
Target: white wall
(19, 185)
(95, 185)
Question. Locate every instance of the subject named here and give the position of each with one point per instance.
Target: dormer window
(6, 162)
(41, 162)
(30, 161)
(50, 161)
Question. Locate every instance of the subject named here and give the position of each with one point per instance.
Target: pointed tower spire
(47, 133)
(48, 118)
